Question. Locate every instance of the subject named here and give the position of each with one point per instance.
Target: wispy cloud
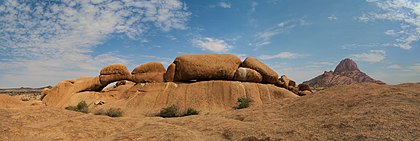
(212, 44)
(368, 45)
(254, 5)
(284, 55)
(372, 56)
(406, 12)
(224, 4)
(264, 38)
(394, 66)
(332, 17)
(59, 36)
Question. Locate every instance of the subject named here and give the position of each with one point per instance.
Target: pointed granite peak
(346, 65)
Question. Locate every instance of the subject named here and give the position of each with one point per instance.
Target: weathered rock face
(269, 75)
(205, 67)
(149, 98)
(247, 75)
(170, 73)
(345, 73)
(149, 72)
(114, 72)
(346, 65)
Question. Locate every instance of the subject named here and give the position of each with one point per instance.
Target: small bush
(243, 103)
(112, 112)
(170, 111)
(191, 111)
(81, 107)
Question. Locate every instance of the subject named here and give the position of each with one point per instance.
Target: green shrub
(243, 102)
(81, 107)
(191, 111)
(112, 112)
(170, 111)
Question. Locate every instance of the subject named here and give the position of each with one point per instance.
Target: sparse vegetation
(112, 112)
(81, 107)
(243, 102)
(168, 112)
(191, 111)
(172, 111)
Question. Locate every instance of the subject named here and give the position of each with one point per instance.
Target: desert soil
(354, 112)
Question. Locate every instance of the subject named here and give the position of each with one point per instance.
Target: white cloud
(394, 66)
(332, 17)
(42, 36)
(405, 12)
(224, 5)
(372, 56)
(283, 55)
(264, 38)
(212, 44)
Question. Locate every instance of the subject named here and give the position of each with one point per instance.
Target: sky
(43, 42)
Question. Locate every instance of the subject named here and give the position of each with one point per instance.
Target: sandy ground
(354, 112)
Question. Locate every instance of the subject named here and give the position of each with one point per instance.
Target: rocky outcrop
(149, 98)
(205, 67)
(269, 75)
(219, 82)
(345, 73)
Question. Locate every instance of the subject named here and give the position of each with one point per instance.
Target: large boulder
(247, 75)
(170, 73)
(304, 87)
(64, 90)
(206, 67)
(269, 75)
(113, 73)
(149, 72)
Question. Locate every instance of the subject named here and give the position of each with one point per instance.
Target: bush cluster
(81, 107)
(112, 112)
(172, 111)
(84, 108)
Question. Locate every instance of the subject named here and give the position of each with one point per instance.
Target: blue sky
(45, 41)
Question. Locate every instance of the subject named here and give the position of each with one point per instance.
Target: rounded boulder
(205, 67)
(269, 75)
(149, 72)
(247, 75)
(114, 72)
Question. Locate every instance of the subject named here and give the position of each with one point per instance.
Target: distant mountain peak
(346, 65)
(345, 73)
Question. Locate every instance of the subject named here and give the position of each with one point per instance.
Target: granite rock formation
(345, 73)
